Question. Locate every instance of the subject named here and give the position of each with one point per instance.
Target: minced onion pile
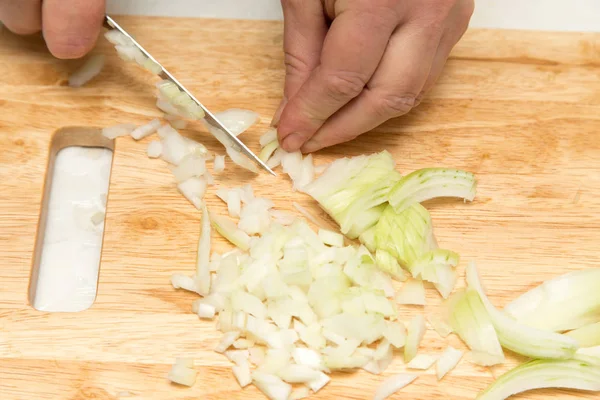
(295, 304)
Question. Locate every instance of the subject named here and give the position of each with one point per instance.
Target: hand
(374, 62)
(70, 27)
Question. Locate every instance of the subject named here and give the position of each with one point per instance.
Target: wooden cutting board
(519, 109)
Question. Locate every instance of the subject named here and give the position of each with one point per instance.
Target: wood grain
(519, 109)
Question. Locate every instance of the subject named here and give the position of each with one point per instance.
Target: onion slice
(415, 332)
(88, 71)
(447, 361)
(203, 258)
(412, 292)
(392, 384)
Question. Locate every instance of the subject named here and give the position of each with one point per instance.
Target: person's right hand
(70, 27)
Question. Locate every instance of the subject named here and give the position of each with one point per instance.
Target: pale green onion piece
(564, 303)
(407, 235)
(412, 293)
(415, 332)
(353, 186)
(430, 183)
(520, 338)
(268, 150)
(440, 325)
(387, 263)
(331, 238)
(395, 333)
(587, 336)
(268, 137)
(538, 374)
(472, 323)
(422, 361)
(447, 361)
(392, 384)
(117, 38)
(203, 258)
(152, 66)
(229, 231)
(168, 89)
(368, 239)
(428, 266)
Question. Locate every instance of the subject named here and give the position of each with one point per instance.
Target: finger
(352, 50)
(304, 31)
(455, 29)
(391, 92)
(22, 17)
(71, 27)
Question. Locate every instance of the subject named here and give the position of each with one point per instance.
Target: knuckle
(345, 85)
(392, 105)
(295, 65)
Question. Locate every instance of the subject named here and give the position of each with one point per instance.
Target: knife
(229, 139)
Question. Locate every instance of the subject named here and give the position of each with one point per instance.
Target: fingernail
(277, 114)
(292, 142)
(311, 146)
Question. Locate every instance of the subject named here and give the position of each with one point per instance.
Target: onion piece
(440, 325)
(190, 166)
(268, 150)
(295, 373)
(566, 302)
(271, 385)
(203, 257)
(145, 130)
(180, 281)
(472, 323)
(319, 382)
(521, 338)
(437, 267)
(234, 203)
(117, 38)
(447, 361)
(429, 183)
(587, 336)
(237, 120)
(422, 361)
(331, 238)
(88, 71)
(412, 292)
(228, 230)
(538, 374)
(219, 164)
(395, 333)
(193, 189)
(392, 384)
(268, 137)
(182, 375)
(241, 160)
(299, 393)
(154, 149)
(206, 311)
(226, 341)
(242, 374)
(116, 131)
(415, 332)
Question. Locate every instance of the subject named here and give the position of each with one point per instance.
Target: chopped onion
(471, 321)
(567, 302)
(299, 393)
(440, 325)
(175, 147)
(228, 230)
(117, 38)
(206, 311)
(268, 150)
(90, 69)
(226, 341)
(193, 189)
(412, 292)
(241, 160)
(422, 361)
(331, 238)
(116, 131)
(447, 361)
(219, 164)
(145, 130)
(538, 374)
(234, 203)
(437, 266)
(271, 385)
(392, 384)
(154, 149)
(415, 332)
(242, 374)
(395, 333)
(587, 336)
(190, 166)
(429, 183)
(295, 373)
(180, 281)
(203, 258)
(521, 338)
(319, 382)
(237, 120)
(182, 375)
(268, 137)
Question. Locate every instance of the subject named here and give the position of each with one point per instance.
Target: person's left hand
(375, 61)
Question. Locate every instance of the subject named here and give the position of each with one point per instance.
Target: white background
(564, 15)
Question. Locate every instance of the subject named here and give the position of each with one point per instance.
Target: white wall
(567, 15)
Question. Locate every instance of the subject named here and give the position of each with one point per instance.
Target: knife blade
(229, 139)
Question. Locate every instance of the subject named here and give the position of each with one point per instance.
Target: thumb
(305, 27)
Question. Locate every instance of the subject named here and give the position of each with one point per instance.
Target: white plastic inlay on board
(70, 259)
